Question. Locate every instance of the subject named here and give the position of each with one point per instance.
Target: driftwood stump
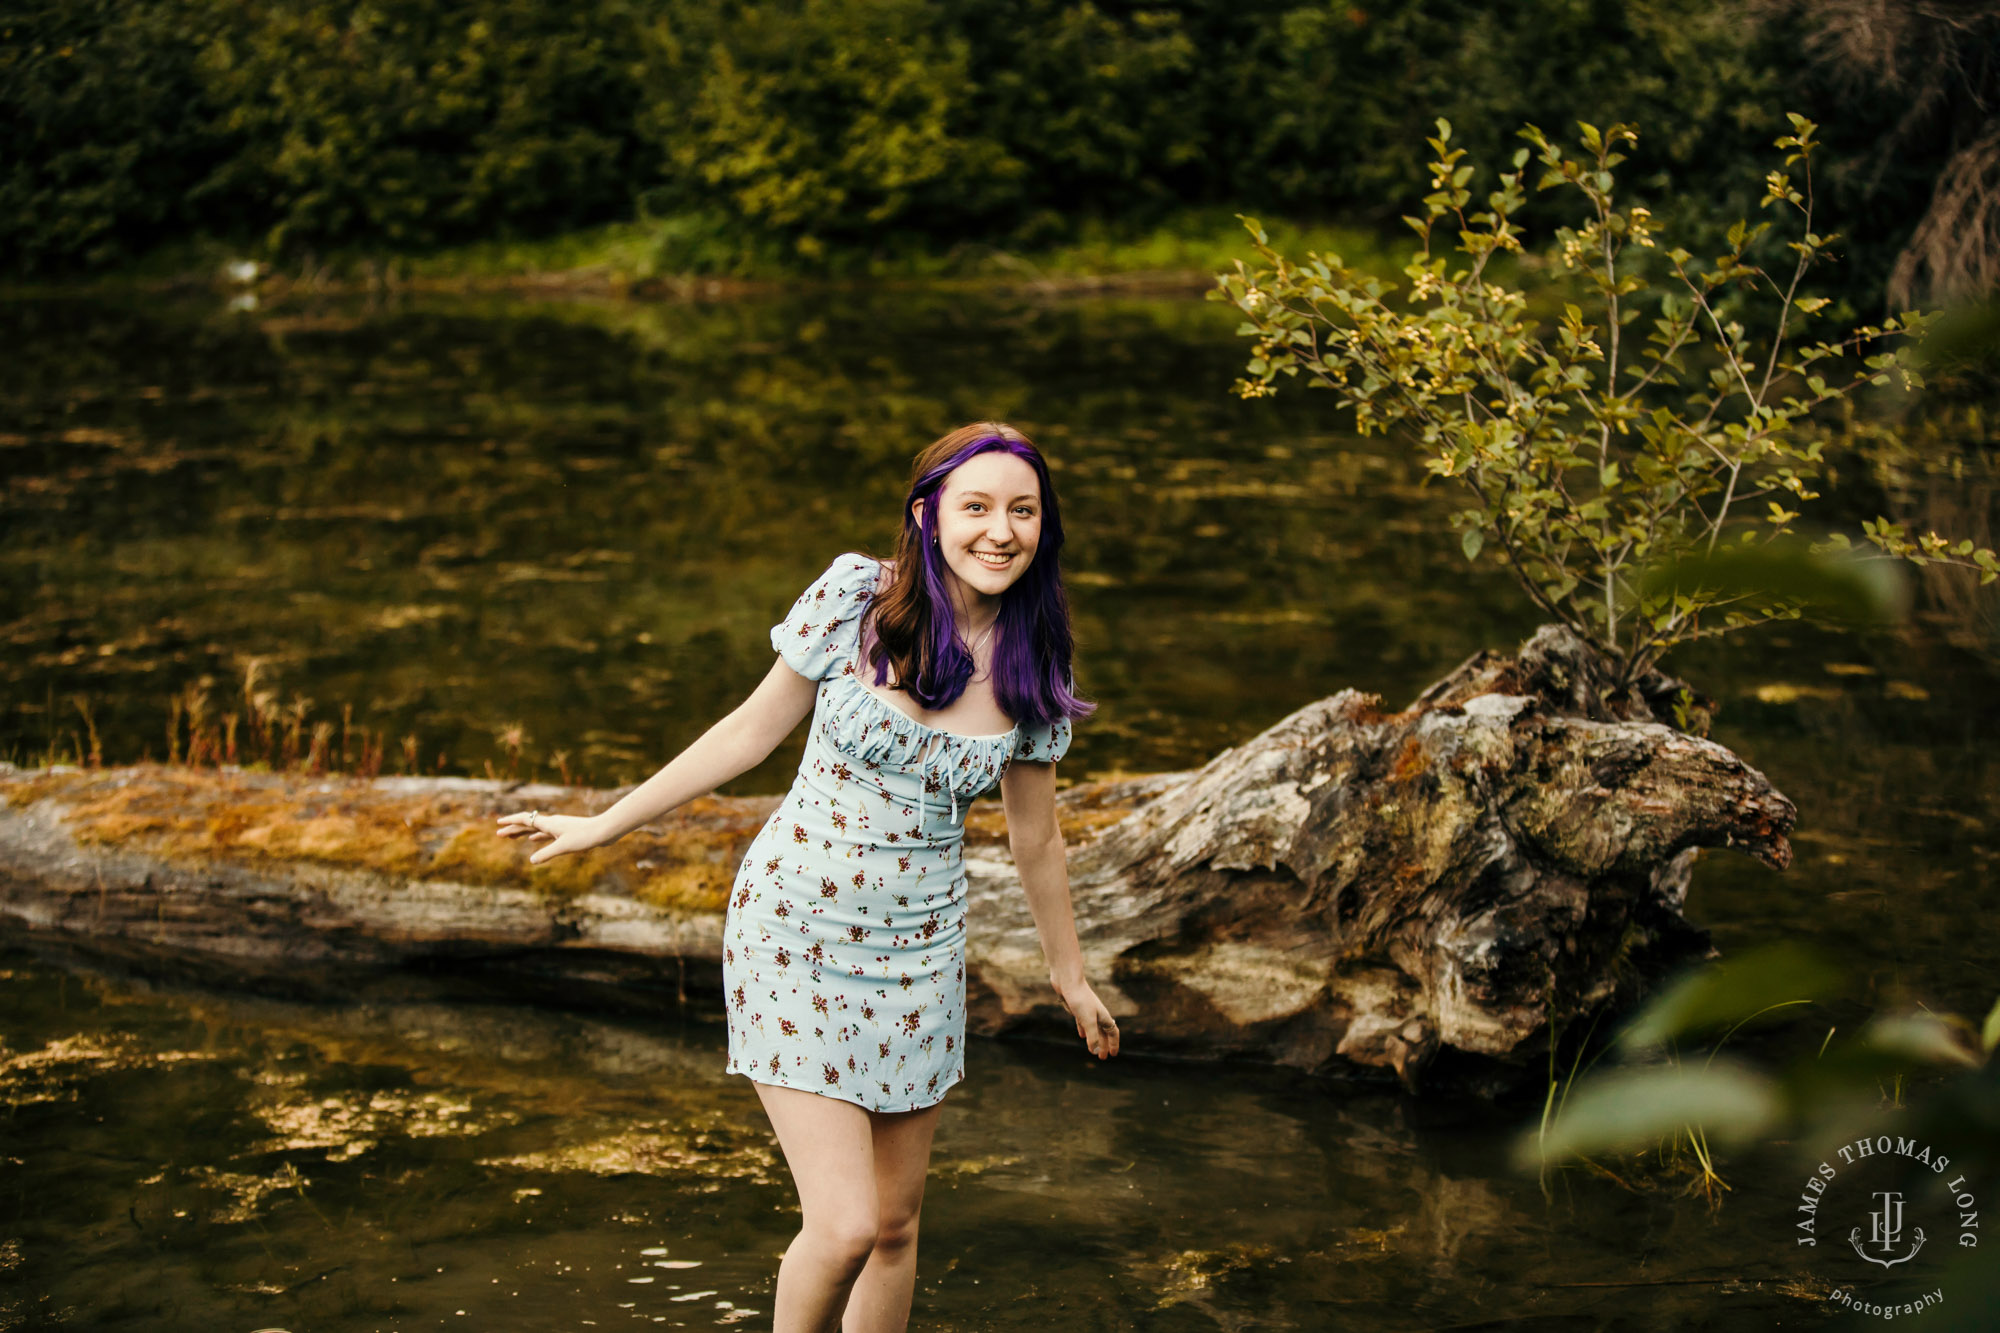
(1431, 890)
(1366, 888)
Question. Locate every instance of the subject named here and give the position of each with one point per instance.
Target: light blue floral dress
(844, 942)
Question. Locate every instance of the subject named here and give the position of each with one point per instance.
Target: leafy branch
(1614, 477)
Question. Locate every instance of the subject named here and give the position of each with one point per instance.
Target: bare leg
(828, 1146)
(880, 1302)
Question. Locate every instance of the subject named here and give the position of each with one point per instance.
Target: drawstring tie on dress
(941, 749)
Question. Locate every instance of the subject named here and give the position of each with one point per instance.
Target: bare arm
(1028, 793)
(732, 747)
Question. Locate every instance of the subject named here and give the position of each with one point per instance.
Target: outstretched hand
(563, 834)
(1093, 1021)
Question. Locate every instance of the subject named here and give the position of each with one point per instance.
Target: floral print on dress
(844, 937)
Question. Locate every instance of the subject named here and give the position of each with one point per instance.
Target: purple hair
(1034, 680)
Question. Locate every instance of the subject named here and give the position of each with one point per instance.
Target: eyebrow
(982, 495)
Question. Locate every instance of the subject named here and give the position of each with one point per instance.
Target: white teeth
(996, 561)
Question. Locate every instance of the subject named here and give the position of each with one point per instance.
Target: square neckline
(865, 688)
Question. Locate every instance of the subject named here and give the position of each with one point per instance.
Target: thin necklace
(974, 649)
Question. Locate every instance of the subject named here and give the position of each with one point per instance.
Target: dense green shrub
(793, 129)
(1108, 110)
(826, 119)
(111, 133)
(1352, 81)
(408, 122)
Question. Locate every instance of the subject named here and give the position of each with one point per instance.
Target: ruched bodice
(861, 724)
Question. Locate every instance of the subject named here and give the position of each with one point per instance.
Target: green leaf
(1841, 589)
(1730, 991)
(1921, 1037)
(1471, 543)
(1626, 1110)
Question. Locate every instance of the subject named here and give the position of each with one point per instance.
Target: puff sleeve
(819, 633)
(1043, 744)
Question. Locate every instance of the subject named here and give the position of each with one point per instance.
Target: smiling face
(989, 521)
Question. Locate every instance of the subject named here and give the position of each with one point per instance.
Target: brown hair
(910, 625)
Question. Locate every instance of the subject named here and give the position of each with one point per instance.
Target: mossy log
(1437, 889)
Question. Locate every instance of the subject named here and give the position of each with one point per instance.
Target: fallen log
(1434, 892)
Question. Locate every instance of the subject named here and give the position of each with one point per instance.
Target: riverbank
(683, 259)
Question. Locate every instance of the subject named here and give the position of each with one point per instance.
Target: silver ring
(533, 815)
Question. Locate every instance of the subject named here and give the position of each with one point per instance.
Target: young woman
(930, 679)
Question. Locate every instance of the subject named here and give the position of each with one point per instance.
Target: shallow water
(583, 518)
(414, 1160)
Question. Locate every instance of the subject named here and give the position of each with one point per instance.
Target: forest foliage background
(795, 135)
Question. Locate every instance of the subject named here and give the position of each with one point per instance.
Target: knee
(896, 1230)
(847, 1237)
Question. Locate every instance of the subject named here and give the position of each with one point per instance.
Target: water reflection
(185, 1159)
(585, 517)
